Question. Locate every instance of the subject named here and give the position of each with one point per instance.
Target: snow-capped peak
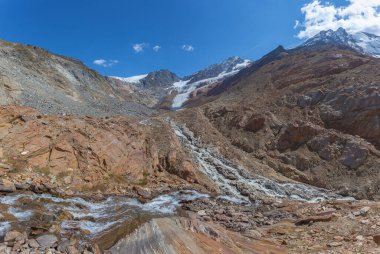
(228, 65)
(206, 77)
(362, 42)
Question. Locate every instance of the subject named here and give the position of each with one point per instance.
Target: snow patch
(133, 79)
(185, 88)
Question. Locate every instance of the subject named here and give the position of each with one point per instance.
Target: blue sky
(212, 30)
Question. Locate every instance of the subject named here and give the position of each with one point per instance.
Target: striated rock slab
(180, 235)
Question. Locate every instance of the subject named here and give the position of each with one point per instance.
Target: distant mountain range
(362, 42)
(164, 82)
(34, 77)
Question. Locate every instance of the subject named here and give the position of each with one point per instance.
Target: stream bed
(80, 218)
(234, 180)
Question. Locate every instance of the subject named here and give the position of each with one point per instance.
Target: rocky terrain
(31, 76)
(310, 115)
(280, 155)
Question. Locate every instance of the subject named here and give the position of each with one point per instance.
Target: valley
(276, 155)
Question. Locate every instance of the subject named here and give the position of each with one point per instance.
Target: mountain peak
(230, 64)
(362, 42)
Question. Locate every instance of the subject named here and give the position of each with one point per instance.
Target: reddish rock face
(91, 150)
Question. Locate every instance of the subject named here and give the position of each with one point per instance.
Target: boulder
(7, 186)
(254, 234)
(376, 239)
(47, 241)
(312, 219)
(12, 235)
(354, 155)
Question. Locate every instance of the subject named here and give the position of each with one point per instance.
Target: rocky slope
(310, 114)
(34, 77)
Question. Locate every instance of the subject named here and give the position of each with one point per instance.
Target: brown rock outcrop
(92, 152)
(354, 110)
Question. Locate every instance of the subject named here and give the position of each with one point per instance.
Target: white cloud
(188, 48)
(105, 63)
(357, 16)
(296, 25)
(157, 48)
(139, 47)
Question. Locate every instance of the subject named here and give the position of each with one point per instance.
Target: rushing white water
(4, 228)
(236, 181)
(93, 217)
(168, 204)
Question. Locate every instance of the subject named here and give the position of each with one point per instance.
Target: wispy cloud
(157, 48)
(105, 63)
(357, 16)
(139, 47)
(188, 48)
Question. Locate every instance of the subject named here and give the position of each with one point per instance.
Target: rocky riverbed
(52, 221)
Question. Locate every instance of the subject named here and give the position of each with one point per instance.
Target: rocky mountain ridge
(362, 42)
(173, 91)
(34, 77)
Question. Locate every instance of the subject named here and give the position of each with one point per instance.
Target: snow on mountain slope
(226, 69)
(362, 42)
(133, 80)
(163, 82)
(369, 43)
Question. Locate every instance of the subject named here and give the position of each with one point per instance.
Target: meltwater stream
(93, 218)
(237, 182)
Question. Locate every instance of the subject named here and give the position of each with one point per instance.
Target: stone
(143, 192)
(33, 243)
(359, 238)
(22, 237)
(354, 155)
(202, 213)
(7, 186)
(365, 222)
(68, 247)
(254, 234)
(11, 236)
(67, 179)
(312, 219)
(334, 244)
(4, 249)
(376, 239)
(365, 210)
(22, 186)
(5, 166)
(47, 241)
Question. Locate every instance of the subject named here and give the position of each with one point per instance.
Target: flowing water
(91, 220)
(235, 181)
(88, 217)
